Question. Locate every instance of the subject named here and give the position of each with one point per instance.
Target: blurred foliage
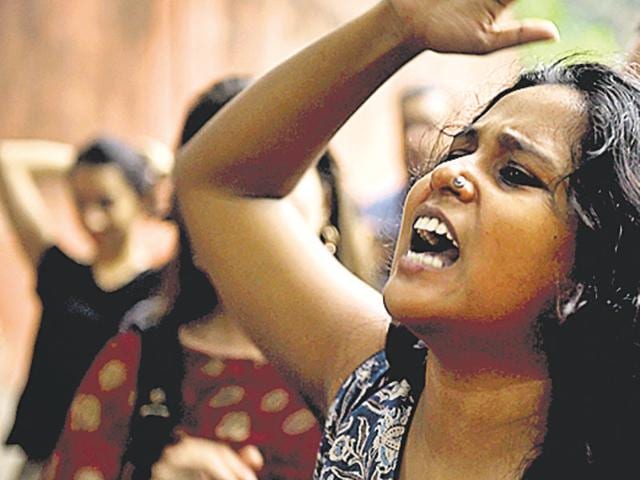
(583, 30)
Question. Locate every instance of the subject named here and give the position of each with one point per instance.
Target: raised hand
(466, 26)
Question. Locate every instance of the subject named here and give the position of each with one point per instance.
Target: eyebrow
(510, 139)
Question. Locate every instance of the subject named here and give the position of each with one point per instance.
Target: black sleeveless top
(77, 319)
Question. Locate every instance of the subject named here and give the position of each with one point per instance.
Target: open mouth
(432, 244)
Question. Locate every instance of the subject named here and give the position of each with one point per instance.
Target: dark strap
(407, 356)
(158, 407)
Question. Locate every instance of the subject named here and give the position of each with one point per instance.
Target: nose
(450, 178)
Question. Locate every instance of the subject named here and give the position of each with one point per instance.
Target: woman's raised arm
(302, 308)
(20, 160)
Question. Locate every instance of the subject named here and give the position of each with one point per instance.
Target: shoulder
(109, 384)
(116, 364)
(106, 393)
(99, 415)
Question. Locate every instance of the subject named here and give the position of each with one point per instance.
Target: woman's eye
(517, 176)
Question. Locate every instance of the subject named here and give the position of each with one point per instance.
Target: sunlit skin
(516, 240)
(107, 204)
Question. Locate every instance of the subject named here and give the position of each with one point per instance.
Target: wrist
(390, 36)
(397, 26)
(38, 155)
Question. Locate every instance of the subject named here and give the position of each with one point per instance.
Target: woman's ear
(160, 161)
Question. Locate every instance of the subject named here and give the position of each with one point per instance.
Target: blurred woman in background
(83, 300)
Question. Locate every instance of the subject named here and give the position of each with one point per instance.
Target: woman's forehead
(551, 117)
(540, 105)
(102, 176)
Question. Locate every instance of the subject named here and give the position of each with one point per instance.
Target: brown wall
(70, 69)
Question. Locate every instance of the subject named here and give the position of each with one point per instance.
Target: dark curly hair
(592, 338)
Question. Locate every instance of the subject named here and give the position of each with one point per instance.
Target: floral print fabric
(366, 427)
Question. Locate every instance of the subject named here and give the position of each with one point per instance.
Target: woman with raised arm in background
(82, 301)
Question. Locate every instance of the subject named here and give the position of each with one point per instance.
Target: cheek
(419, 191)
(533, 259)
(125, 211)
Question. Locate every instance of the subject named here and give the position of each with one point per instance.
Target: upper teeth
(433, 224)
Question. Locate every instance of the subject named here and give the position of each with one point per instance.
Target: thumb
(252, 457)
(521, 32)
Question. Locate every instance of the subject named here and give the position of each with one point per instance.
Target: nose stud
(459, 182)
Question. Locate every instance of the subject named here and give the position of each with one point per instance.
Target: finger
(218, 471)
(522, 32)
(214, 461)
(252, 457)
(227, 464)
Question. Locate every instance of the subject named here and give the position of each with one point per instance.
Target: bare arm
(20, 160)
(301, 307)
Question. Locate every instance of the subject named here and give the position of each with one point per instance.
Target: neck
(471, 351)
(483, 398)
(114, 252)
(116, 265)
(481, 424)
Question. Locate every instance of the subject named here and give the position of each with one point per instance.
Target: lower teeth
(426, 259)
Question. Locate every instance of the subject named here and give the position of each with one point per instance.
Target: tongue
(435, 243)
(429, 243)
(451, 254)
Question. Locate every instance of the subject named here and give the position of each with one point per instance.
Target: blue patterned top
(366, 427)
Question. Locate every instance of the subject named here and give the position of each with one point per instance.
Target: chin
(416, 297)
(389, 296)
(405, 307)
(424, 309)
